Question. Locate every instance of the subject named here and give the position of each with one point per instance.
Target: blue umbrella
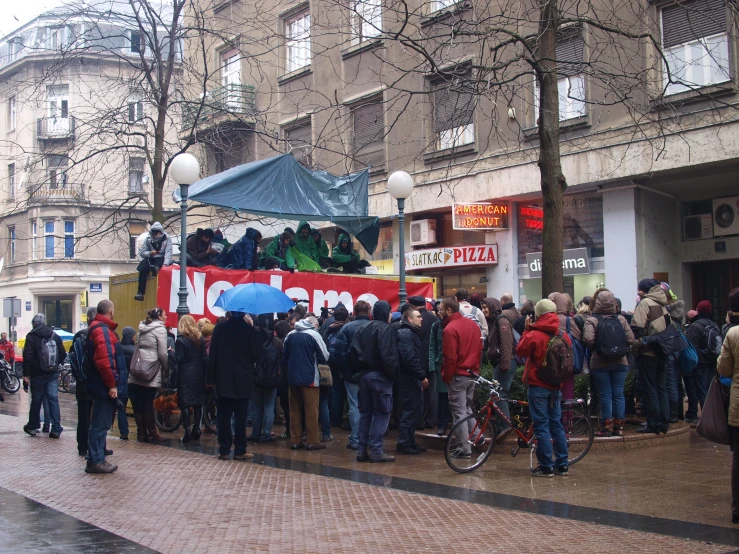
(64, 335)
(254, 298)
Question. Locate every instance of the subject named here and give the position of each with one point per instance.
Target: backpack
(473, 317)
(558, 362)
(688, 356)
(49, 359)
(712, 342)
(578, 351)
(267, 369)
(610, 338)
(79, 360)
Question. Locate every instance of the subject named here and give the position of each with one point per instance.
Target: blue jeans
(352, 396)
(703, 373)
(505, 378)
(324, 417)
(262, 410)
(609, 381)
(692, 394)
(102, 419)
(45, 388)
(338, 398)
(673, 378)
(375, 407)
(122, 417)
(546, 414)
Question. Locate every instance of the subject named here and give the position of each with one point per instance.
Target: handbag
(143, 370)
(688, 357)
(714, 422)
(325, 372)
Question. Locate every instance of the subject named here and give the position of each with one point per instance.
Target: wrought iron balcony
(233, 100)
(55, 128)
(46, 194)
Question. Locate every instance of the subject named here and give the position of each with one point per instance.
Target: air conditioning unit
(726, 216)
(697, 227)
(423, 232)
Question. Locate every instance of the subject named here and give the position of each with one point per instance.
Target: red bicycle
(471, 440)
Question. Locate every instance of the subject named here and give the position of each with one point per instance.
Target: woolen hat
(544, 307)
(704, 307)
(645, 285)
(38, 319)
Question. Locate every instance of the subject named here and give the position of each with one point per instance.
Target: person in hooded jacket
(152, 350)
(128, 345)
(192, 363)
(411, 380)
(277, 255)
(375, 347)
(564, 309)
(324, 259)
(500, 353)
(304, 242)
(430, 407)
(44, 383)
(244, 254)
(199, 251)
(155, 252)
(344, 257)
(609, 374)
(436, 360)
(544, 399)
(676, 309)
(649, 319)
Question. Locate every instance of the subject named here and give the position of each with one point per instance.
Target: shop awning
(281, 187)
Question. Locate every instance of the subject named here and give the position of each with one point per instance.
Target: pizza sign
(452, 256)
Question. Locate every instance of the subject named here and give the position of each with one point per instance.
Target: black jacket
(427, 320)
(696, 335)
(342, 347)
(377, 344)
(192, 363)
(733, 322)
(32, 350)
(409, 353)
(234, 349)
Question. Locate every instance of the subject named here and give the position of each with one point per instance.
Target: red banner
(317, 290)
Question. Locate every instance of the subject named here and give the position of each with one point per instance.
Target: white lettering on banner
(329, 299)
(195, 294)
(453, 256)
(367, 297)
(214, 291)
(297, 292)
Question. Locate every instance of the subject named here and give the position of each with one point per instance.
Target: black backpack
(267, 371)
(610, 337)
(80, 358)
(712, 342)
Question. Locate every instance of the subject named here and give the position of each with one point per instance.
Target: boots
(151, 427)
(141, 434)
(673, 412)
(618, 427)
(605, 428)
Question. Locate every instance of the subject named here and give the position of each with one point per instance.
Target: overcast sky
(18, 12)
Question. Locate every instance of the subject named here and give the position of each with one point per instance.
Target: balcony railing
(235, 100)
(55, 128)
(45, 193)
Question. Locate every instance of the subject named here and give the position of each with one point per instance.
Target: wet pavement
(672, 497)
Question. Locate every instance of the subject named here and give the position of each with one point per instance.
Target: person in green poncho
(304, 242)
(278, 255)
(324, 259)
(345, 257)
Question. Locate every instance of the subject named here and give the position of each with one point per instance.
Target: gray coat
(152, 346)
(166, 252)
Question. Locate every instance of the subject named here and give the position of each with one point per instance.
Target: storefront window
(450, 283)
(576, 286)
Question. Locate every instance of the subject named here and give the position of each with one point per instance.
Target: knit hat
(38, 319)
(645, 285)
(704, 307)
(544, 307)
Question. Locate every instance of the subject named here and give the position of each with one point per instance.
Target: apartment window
(15, 45)
(454, 110)
(436, 5)
(11, 180)
(134, 42)
(136, 175)
(56, 165)
(298, 41)
(231, 78)
(48, 239)
(58, 109)
(300, 139)
(34, 235)
(11, 234)
(135, 107)
(368, 145)
(132, 247)
(56, 37)
(570, 80)
(69, 239)
(695, 45)
(366, 20)
(12, 113)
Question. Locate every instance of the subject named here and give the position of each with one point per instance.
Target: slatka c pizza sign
(479, 216)
(452, 256)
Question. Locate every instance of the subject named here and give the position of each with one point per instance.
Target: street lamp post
(400, 187)
(185, 170)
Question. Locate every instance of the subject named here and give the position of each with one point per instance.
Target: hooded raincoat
(306, 245)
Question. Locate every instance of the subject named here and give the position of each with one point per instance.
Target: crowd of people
(304, 251)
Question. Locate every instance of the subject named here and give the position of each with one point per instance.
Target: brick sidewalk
(171, 501)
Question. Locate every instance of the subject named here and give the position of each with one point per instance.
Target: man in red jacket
(7, 348)
(544, 399)
(461, 346)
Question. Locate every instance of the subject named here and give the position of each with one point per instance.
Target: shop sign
(384, 267)
(479, 216)
(574, 262)
(96, 287)
(452, 256)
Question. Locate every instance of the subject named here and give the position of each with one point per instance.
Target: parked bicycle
(8, 379)
(578, 428)
(67, 382)
(171, 419)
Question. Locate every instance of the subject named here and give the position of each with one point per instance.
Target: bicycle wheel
(167, 421)
(580, 433)
(11, 383)
(470, 442)
(209, 414)
(67, 381)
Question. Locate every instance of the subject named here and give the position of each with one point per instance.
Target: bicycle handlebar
(480, 379)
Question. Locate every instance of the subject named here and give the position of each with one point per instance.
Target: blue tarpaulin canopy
(281, 187)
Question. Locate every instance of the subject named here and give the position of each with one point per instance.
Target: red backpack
(558, 362)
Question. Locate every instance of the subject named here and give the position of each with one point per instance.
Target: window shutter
(369, 135)
(570, 52)
(689, 21)
(300, 138)
(454, 105)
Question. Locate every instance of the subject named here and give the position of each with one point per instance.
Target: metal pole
(402, 294)
(182, 308)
